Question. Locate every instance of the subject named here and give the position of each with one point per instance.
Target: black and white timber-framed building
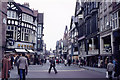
(22, 25)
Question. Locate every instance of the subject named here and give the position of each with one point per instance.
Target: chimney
(26, 5)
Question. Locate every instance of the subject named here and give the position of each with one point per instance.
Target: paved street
(38, 71)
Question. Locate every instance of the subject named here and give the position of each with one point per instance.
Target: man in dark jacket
(52, 64)
(69, 62)
(117, 70)
(17, 63)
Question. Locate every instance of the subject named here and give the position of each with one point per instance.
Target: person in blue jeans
(23, 66)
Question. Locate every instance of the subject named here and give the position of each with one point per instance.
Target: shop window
(107, 43)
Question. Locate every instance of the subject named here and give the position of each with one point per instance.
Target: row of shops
(94, 34)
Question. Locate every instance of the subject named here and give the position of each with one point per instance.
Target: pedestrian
(69, 62)
(77, 61)
(65, 62)
(117, 69)
(12, 61)
(52, 64)
(23, 66)
(17, 64)
(5, 68)
(110, 69)
(45, 60)
(42, 61)
(28, 60)
(73, 61)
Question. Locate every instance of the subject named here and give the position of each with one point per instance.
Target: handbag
(107, 74)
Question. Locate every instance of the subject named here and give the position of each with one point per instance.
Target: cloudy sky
(57, 14)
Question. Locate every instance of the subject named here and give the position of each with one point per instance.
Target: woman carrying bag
(110, 69)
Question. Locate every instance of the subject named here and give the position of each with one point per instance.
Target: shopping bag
(107, 75)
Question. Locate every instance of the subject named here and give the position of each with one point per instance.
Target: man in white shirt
(110, 69)
(23, 66)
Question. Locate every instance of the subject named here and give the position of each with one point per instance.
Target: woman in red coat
(5, 68)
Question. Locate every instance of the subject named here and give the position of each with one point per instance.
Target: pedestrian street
(73, 71)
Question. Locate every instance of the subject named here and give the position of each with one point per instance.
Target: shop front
(116, 44)
(106, 49)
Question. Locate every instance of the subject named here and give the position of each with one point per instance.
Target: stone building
(116, 29)
(3, 24)
(105, 28)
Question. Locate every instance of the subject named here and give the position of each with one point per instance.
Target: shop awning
(21, 50)
(30, 51)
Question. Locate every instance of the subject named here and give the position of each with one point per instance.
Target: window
(111, 22)
(26, 37)
(101, 8)
(15, 28)
(12, 28)
(8, 27)
(94, 4)
(22, 36)
(39, 30)
(105, 22)
(115, 20)
(105, 4)
(12, 12)
(27, 31)
(8, 13)
(101, 24)
(23, 29)
(15, 35)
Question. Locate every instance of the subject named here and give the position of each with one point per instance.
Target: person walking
(69, 62)
(117, 69)
(52, 64)
(110, 69)
(65, 62)
(12, 61)
(5, 68)
(77, 61)
(17, 64)
(23, 66)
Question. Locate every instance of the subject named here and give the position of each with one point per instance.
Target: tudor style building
(21, 28)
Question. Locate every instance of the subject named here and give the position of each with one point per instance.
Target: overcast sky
(57, 14)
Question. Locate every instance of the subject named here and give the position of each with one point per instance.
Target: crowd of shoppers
(22, 61)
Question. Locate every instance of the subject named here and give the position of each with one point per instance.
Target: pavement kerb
(92, 69)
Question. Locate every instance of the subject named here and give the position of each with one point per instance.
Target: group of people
(7, 64)
(38, 60)
(69, 61)
(113, 66)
